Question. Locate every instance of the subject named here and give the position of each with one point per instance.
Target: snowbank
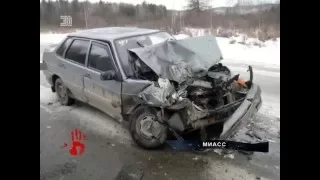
(181, 36)
(247, 50)
(51, 37)
(195, 32)
(269, 54)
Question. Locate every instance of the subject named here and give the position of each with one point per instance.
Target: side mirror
(108, 75)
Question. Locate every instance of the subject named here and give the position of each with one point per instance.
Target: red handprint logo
(77, 138)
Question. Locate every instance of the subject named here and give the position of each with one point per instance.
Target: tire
(138, 119)
(63, 93)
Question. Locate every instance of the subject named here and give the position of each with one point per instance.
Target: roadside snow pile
(269, 54)
(244, 40)
(46, 96)
(181, 36)
(51, 37)
(194, 32)
(270, 106)
(248, 50)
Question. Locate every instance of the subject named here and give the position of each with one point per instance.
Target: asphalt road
(108, 146)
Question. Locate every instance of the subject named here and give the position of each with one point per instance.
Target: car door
(73, 67)
(103, 94)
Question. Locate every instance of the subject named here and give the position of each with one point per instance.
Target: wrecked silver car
(191, 89)
(160, 85)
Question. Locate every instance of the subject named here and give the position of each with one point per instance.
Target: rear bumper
(245, 112)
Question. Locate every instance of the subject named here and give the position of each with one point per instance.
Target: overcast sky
(180, 4)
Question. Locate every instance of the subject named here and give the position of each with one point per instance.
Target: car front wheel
(145, 128)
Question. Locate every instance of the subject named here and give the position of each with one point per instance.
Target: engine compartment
(206, 99)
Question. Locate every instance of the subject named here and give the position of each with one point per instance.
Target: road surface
(109, 146)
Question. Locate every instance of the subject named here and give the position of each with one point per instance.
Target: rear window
(63, 47)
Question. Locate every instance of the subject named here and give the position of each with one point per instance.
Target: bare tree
(243, 16)
(198, 5)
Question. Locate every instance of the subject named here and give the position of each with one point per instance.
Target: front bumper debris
(245, 112)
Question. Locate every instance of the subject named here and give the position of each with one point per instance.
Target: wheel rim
(62, 91)
(145, 126)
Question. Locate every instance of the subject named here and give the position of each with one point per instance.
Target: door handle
(87, 76)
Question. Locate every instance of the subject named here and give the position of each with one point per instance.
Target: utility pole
(85, 13)
(173, 18)
(211, 14)
(180, 20)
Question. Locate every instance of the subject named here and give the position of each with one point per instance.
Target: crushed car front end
(191, 90)
(245, 112)
(199, 107)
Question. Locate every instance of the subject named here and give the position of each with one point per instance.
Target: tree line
(198, 14)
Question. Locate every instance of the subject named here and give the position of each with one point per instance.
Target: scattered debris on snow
(218, 151)
(195, 158)
(181, 36)
(231, 156)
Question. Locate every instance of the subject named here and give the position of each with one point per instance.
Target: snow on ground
(181, 36)
(46, 96)
(51, 37)
(270, 106)
(223, 171)
(195, 31)
(242, 70)
(268, 55)
(264, 56)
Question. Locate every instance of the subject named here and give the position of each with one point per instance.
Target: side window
(100, 58)
(64, 46)
(77, 51)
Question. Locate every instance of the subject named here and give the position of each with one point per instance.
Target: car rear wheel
(63, 93)
(145, 128)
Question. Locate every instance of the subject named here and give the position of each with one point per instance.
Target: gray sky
(180, 4)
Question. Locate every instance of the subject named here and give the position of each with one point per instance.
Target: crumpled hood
(179, 60)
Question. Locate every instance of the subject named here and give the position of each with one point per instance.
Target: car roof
(111, 33)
